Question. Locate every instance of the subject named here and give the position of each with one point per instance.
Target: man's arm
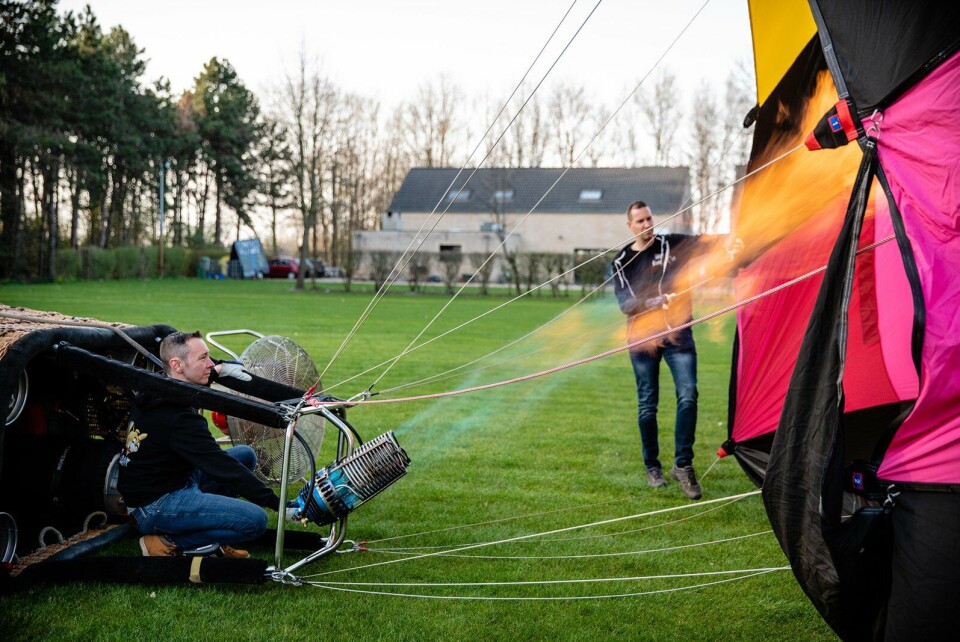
(195, 444)
(631, 305)
(255, 386)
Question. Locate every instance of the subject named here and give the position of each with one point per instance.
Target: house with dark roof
(573, 211)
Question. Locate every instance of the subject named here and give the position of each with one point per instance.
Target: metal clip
(285, 577)
(360, 396)
(875, 119)
(355, 547)
(891, 499)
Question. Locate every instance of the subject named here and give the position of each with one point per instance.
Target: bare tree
(451, 261)
(482, 268)
(705, 148)
(431, 123)
(352, 194)
(381, 264)
(531, 263)
(739, 98)
(661, 112)
(570, 116)
(307, 100)
(418, 269)
(524, 143)
(392, 163)
(555, 265)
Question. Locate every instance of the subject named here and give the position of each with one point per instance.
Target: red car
(284, 269)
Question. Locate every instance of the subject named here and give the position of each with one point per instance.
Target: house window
(458, 195)
(591, 194)
(503, 195)
(450, 249)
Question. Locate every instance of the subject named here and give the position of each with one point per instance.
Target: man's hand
(733, 247)
(233, 369)
(662, 302)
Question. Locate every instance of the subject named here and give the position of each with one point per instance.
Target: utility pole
(163, 180)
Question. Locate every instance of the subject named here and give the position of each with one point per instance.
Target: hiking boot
(655, 477)
(234, 553)
(157, 546)
(688, 481)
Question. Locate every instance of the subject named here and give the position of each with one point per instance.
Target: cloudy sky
(385, 48)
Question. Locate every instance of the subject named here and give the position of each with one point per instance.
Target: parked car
(315, 268)
(284, 268)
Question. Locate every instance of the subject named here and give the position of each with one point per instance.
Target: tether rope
(666, 549)
(566, 529)
(397, 269)
(599, 287)
(594, 580)
(612, 351)
(750, 573)
(411, 348)
(554, 540)
(503, 242)
(496, 521)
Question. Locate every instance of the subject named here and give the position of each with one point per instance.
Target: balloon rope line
(554, 540)
(549, 190)
(496, 521)
(704, 475)
(454, 372)
(451, 372)
(397, 269)
(593, 580)
(750, 573)
(616, 350)
(613, 520)
(667, 549)
(599, 255)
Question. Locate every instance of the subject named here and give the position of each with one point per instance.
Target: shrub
(69, 265)
(127, 262)
(150, 262)
(98, 264)
(176, 262)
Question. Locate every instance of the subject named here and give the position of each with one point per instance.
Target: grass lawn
(554, 452)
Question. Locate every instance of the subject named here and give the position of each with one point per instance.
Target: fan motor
(342, 486)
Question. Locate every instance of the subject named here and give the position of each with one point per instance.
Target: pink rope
(612, 351)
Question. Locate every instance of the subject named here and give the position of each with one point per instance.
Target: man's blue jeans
(646, 368)
(201, 513)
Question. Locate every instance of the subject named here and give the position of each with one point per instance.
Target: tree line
(86, 145)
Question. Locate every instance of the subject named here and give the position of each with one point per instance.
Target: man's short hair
(174, 346)
(635, 206)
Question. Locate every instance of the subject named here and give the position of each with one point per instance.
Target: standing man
(180, 487)
(646, 275)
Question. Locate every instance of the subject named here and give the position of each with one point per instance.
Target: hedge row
(129, 262)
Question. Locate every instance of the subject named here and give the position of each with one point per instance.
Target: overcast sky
(385, 48)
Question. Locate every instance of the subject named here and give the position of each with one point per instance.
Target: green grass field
(532, 457)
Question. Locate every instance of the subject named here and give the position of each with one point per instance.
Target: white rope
(449, 373)
(551, 532)
(496, 521)
(579, 538)
(595, 580)
(396, 271)
(704, 475)
(412, 348)
(549, 190)
(666, 549)
(750, 573)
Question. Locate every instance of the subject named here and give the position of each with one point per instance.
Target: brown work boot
(157, 546)
(234, 553)
(655, 477)
(688, 481)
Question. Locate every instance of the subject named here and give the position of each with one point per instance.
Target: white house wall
(540, 232)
